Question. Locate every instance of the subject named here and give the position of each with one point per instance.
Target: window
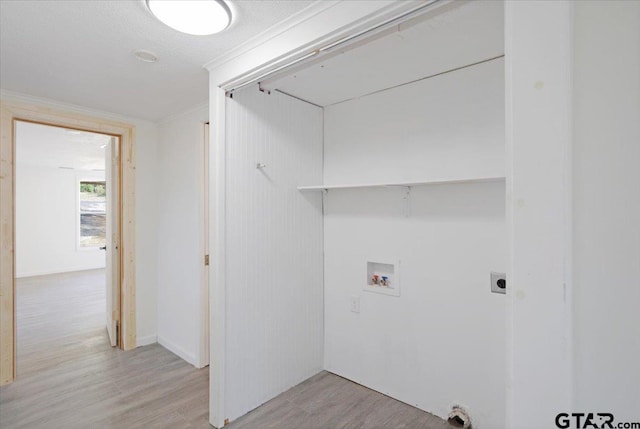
(93, 214)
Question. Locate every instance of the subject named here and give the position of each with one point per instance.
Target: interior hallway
(69, 376)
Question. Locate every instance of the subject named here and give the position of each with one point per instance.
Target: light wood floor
(69, 377)
(326, 401)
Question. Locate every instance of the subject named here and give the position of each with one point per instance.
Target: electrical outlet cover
(355, 303)
(498, 283)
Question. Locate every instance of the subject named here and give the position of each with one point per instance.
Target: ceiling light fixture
(197, 17)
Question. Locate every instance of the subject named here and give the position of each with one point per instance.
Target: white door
(113, 240)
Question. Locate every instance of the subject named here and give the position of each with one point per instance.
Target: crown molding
(305, 37)
(275, 30)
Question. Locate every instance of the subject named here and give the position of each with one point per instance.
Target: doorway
(65, 202)
(120, 237)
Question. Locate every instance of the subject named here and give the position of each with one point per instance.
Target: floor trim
(177, 350)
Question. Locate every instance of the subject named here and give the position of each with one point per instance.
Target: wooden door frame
(10, 112)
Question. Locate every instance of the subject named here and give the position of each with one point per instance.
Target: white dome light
(197, 17)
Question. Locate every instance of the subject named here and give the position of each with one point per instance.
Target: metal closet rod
(348, 39)
(413, 81)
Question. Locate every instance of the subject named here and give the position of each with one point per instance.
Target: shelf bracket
(407, 201)
(325, 201)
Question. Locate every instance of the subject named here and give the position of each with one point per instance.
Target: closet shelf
(403, 184)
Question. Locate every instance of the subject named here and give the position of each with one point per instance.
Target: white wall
(432, 129)
(606, 208)
(180, 234)
(147, 195)
(273, 254)
(538, 129)
(442, 341)
(47, 220)
(146, 138)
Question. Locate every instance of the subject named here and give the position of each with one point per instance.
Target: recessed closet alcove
(385, 157)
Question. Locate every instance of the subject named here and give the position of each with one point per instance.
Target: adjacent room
(61, 238)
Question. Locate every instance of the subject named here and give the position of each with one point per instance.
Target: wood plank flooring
(69, 377)
(326, 401)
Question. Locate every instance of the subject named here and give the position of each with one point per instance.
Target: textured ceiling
(80, 52)
(53, 147)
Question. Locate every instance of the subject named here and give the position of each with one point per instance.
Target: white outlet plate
(495, 278)
(355, 304)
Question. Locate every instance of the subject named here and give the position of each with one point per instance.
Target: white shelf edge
(403, 184)
(382, 290)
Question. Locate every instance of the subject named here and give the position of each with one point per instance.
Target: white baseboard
(145, 341)
(179, 351)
